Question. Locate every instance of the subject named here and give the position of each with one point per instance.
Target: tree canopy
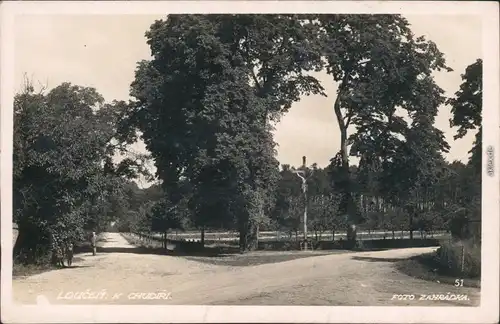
(466, 108)
(205, 101)
(63, 170)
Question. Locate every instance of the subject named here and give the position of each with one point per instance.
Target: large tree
(205, 101)
(380, 68)
(63, 173)
(466, 109)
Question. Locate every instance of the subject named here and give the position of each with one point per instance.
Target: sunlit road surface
(126, 277)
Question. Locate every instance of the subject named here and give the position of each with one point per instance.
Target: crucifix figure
(302, 175)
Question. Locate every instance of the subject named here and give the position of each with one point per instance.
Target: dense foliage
(64, 177)
(204, 104)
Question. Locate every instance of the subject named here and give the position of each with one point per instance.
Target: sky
(101, 51)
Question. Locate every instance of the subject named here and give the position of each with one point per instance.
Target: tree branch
(348, 121)
(257, 84)
(249, 62)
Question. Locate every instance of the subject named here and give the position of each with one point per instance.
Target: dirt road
(120, 276)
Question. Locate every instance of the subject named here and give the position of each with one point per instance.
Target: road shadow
(135, 250)
(373, 249)
(372, 259)
(75, 267)
(245, 260)
(206, 252)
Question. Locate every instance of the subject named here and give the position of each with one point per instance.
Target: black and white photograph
(194, 161)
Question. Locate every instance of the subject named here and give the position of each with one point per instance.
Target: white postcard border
(486, 312)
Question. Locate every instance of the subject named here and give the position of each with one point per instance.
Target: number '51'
(459, 282)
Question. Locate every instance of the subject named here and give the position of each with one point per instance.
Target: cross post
(304, 177)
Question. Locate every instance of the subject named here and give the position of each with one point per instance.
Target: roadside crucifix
(304, 177)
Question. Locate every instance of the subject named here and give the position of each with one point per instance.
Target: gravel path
(354, 279)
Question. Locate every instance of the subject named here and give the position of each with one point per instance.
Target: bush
(278, 246)
(359, 245)
(375, 244)
(123, 228)
(449, 257)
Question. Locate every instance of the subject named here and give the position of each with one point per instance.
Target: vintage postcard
(250, 161)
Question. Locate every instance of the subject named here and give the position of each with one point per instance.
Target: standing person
(69, 252)
(93, 240)
(57, 252)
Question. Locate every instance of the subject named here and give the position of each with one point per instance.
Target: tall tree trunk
(203, 235)
(351, 235)
(248, 236)
(347, 203)
(411, 226)
(257, 236)
(165, 239)
(384, 211)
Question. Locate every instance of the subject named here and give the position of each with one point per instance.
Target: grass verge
(27, 270)
(234, 259)
(22, 271)
(427, 267)
(136, 241)
(259, 257)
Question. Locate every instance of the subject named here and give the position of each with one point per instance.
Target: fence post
(463, 258)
